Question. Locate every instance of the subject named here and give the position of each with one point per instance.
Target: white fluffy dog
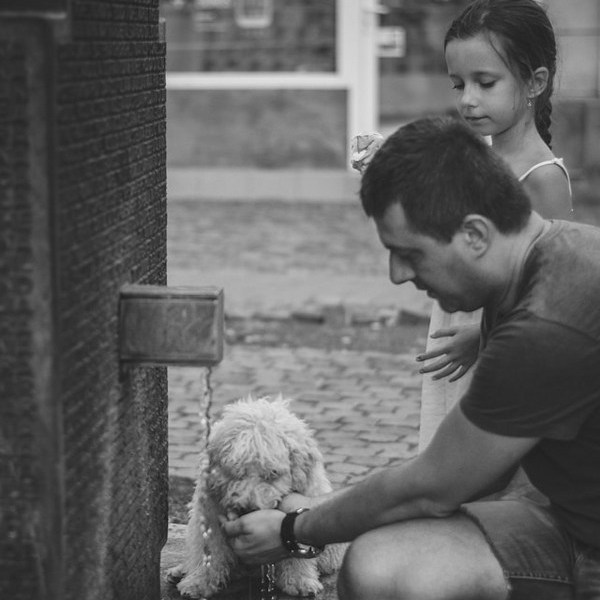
(258, 453)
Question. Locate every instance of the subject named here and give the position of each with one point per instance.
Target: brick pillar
(83, 440)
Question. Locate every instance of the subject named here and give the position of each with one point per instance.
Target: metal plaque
(171, 325)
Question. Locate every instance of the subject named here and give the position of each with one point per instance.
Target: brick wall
(83, 211)
(24, 474)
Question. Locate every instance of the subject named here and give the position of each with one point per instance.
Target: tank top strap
(553, 161)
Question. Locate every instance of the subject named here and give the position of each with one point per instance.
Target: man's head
(439, 171)
(447, 209)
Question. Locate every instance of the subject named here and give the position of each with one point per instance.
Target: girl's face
(488, 95)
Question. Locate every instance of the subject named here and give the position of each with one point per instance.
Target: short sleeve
(535, 378)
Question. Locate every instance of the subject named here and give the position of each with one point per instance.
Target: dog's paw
(175, 574)
(203, 583)
(301, 587)
(298, 577)
(331, 559)
(194, 589)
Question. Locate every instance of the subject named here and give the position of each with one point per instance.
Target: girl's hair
(523, 29)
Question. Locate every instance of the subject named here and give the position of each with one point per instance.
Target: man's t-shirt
(539, 374)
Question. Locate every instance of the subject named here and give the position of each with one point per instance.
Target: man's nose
(400, 271)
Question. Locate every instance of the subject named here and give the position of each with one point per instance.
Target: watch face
(306, 551)
(289, 541)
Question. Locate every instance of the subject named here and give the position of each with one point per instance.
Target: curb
(341, 315)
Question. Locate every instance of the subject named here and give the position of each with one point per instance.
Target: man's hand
(255, 537)
(294, 501)
(458, 354)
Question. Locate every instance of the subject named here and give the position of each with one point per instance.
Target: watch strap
(289, 541)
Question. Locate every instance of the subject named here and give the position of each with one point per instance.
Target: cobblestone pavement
(363, 406)
(272, 259)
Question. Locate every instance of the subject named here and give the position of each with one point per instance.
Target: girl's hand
(363, 148)
(255, 538)
(458, 354)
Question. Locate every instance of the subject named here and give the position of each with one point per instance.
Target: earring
(529, 102)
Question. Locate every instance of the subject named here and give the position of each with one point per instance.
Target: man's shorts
(541, 561)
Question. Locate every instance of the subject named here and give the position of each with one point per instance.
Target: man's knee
(372, 571)
(362, 574)
(426, 560)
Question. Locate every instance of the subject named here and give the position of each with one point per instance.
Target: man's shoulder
(566, 236)
(541, 330)
(532, 371)
(561, 283)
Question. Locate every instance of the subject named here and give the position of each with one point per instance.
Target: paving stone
(183, 436)
(378, 437)
(318, 396)
(370, 461)
(348, 468)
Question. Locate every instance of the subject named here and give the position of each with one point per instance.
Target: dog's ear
(305, 456)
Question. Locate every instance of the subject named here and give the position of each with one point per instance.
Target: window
(250, 35)
(423, 24)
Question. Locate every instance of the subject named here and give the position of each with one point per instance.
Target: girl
(501, 59)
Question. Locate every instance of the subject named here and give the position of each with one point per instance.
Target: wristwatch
(295, 548)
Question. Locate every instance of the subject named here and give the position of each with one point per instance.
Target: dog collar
(289, 541)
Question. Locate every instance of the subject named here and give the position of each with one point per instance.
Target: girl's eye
(487, 84)
(458, 86)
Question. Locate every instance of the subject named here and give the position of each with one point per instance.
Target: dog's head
(259, 452)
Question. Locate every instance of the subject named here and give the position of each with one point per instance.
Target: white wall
(577, 25)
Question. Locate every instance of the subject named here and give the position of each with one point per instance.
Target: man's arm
(461, 461)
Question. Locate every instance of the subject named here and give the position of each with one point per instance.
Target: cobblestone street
(363, 405)
(274, 261)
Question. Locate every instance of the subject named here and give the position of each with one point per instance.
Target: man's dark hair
(440, 171)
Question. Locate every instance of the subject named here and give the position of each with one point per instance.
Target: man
(457, 224)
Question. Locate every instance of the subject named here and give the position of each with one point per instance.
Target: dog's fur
(258, 453)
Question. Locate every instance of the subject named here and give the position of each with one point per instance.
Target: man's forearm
(385, 497)
(460, 462)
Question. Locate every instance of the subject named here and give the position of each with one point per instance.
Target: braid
(543, 105)
(543, 111)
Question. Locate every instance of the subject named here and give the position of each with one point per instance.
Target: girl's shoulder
(548, 185)
(554, 161)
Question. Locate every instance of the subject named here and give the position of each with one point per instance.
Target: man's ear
(477, 232)
(538, 82)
